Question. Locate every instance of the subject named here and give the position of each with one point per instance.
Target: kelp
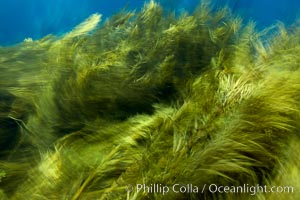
(151, 98)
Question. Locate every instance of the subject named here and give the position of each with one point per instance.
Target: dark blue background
(36, 18)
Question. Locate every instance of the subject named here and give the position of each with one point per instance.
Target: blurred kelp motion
(148, 98)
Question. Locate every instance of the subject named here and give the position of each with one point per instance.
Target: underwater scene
(156, 99)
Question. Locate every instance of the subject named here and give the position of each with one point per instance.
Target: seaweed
(154, 99)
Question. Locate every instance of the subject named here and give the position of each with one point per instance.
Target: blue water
(21, 19)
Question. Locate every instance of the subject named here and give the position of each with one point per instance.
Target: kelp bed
(151, 98)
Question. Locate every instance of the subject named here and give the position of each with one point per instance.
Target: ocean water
(21, 19)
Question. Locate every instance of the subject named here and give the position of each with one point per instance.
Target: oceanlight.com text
(250, 189)
(212, 188)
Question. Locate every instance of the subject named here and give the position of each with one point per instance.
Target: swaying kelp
(154, 99)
